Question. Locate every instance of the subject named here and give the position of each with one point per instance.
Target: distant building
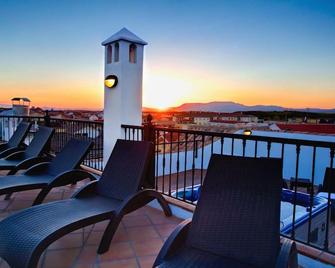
(93, 117)
(227, 117)
(249, 118)
(202, 120)
(274, 127)
(20, 107)
(237, 117)
(182, 119)
(211, 118)
(308, 128)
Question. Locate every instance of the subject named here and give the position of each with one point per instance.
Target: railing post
(149, 135)
(47, 119)
(149, 131)
(47, 124)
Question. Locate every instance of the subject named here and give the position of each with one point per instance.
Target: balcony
(181, 160)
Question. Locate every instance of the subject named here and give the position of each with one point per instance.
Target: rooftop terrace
(181, 161)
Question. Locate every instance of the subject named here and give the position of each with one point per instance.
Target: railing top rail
(252, 137)
(300, 142)
(76, 120)
(21, 116)
(132, 126)
(52, 118)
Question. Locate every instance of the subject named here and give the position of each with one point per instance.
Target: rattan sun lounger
(24, 236)
(15, 140)
(31, 155)
(63, 169)
(236, 222)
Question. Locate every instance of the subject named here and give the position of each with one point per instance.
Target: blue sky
(254, 52)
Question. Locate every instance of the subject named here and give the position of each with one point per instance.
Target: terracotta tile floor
(135, 244)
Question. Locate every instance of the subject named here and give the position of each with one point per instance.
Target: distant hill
(230, 107)
(149, 110)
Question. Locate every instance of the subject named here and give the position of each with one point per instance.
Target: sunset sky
(253, 52)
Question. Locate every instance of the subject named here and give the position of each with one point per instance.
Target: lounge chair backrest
(238, 212)
(70, 157)
(329, 180)
(39, 142)
(19, 135)
(126, 169)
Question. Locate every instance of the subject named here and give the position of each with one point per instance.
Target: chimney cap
(20, 98)
(125, 35)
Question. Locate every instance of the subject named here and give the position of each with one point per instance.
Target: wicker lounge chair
(236, 221)
(62, 170)
(31, 155)
(24, 236)
(16, 140)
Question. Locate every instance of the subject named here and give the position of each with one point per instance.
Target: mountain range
(230, 107)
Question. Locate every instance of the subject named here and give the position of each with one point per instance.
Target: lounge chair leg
(108, 234)
(40, 197)
(165, 206)
(8, 196)
(13, 171)
(162, 202)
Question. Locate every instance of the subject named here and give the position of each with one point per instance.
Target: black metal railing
(182, 157)
(65, 129)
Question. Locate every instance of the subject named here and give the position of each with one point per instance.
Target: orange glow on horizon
(169, 87)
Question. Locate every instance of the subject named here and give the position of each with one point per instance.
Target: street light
(247, 132)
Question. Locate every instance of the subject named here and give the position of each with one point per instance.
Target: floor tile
(142, 248)
(60, 258)
(142, 233)
(128, 263)
(147, 261)
(119, 250)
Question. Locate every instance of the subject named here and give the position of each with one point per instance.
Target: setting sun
(162, 91)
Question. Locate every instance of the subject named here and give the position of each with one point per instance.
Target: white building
(93, 117)
(8, 124)
(248, 118)
(202, 120)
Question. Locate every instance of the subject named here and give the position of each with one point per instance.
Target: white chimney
(123, 85)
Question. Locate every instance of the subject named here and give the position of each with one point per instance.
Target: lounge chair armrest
(16, 155)
(71, 176)
(137, 200)
(9, 151)
(288, 256)
(86, 190)
(27, 163)
(37, 169)
(174, 242)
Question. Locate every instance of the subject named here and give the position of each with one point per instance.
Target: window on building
(109, 54)
(116, 52)
(132, 53)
